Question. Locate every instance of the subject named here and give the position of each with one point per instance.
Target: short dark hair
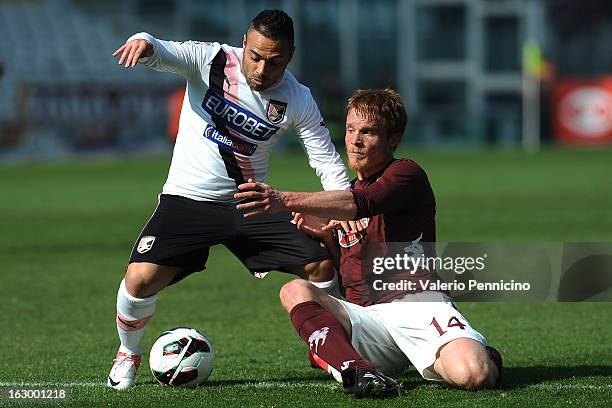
(383, 104)
(274, 24)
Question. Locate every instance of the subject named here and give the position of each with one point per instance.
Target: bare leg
(144, 279)
(298, 291)
(465, 363)
(321, 274)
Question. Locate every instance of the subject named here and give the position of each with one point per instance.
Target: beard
(255, 86)
(370, 163)
(357, 165)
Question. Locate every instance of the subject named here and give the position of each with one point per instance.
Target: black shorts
(181, 231)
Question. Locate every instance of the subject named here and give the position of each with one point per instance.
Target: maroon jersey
(398, 205)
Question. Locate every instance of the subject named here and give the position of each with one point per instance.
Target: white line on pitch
(549, 386)
(259, 384)
(49, 384)
(274, 384)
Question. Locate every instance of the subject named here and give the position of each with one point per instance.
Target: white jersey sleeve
(322, 155)
(183, 58)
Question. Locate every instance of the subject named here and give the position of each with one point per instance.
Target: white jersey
(227, 130)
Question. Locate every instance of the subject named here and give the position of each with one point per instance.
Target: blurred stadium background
(473, 72)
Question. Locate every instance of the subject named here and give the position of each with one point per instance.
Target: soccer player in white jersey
(238, 102)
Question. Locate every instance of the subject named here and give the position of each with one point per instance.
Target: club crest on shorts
(145, 244)
(276, 111)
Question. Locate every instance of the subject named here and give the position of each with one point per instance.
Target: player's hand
(347, 226)
(262, 199)
(133, 50)
(311, 225)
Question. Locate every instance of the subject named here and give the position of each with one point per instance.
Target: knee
(472, 374)
(320, 271)
(295, 292)
(140, 281)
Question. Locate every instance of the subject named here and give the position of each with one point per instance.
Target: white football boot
(123, 373)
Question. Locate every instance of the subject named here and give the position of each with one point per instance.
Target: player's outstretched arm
(322, 155)
(305, 223)
(262, 198)
(187, 58)
(132, 51)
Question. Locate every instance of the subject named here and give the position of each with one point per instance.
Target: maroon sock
(326, 336)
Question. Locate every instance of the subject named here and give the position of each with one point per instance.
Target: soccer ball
(181, 357)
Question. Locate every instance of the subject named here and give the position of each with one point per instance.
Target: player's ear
(394, 140)
(281, 44)
(244, 40)
(291, 53)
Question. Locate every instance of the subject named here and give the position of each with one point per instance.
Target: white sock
(330, 287)
(133, 314)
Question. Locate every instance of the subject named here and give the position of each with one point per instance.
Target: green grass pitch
(67, 230)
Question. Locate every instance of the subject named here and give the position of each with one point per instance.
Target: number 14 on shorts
(452, 322)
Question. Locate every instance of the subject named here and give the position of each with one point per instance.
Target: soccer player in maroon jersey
(359, 339)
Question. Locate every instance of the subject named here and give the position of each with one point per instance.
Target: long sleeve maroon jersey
(398, 205)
